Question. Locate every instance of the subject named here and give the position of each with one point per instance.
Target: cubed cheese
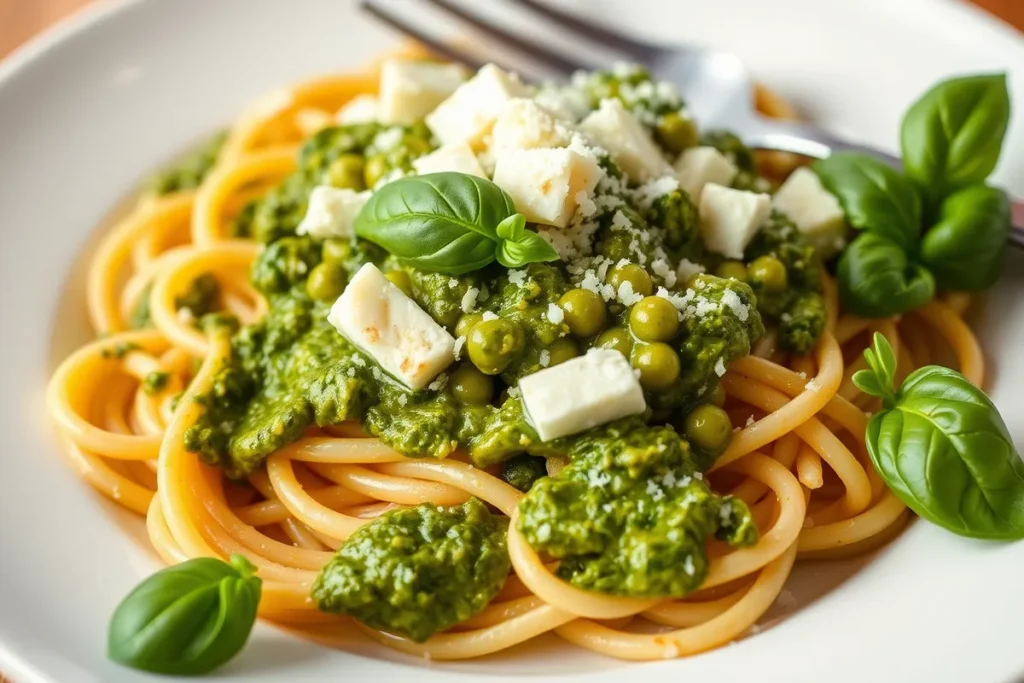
(729, 218)
(411, 88)
(546, 184)
(581, 393)
(469, 114)
(524, 125)
(457, 157)
(698, 166)
(383, 322)
(331, 211)
(360, 109)
(629, 143)
(814, 210)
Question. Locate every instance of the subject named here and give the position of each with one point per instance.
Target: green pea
(676, 132)
(471, 386)
(708, 428)
(769, 273)
(562, 350)
(658, 364)
(416, 147)
(400, 279)
(467, 323)
(654, 319)
(635, 275)
(347, 172)
(492, 345)
(326, 282)
(717, 395)
(584, 312)
(617, 338)
(336, 251)
(375, 168)
(732, 269)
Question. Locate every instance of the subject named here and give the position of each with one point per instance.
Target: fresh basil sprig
(938, 225)
(943, 449)
(952, 136)
(449, 223)
(186, 619)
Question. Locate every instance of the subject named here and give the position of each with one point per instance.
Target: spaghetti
(799, 463)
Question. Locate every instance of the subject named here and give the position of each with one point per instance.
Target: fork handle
(811, 141)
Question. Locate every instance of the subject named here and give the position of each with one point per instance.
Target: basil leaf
(944, 450)
(952, 136)
(520, 246)
(186, 619)
(877, 280)
(874, 196)
(439, 222)
(965, 249)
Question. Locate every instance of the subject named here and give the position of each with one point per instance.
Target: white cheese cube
(698, 166)
(632, 148)
(331, 211)
(814, 210)
(457, 157)
(581, 393)
(469, 114)
(524, 125)
(360, 109)
(383, 322)
(410, 88)
(546, 184)
(729, 218)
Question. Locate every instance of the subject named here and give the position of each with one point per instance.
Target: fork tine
(437, 46)
(603, 36)
(541, 53)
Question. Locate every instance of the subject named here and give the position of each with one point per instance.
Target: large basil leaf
(874, 196)
(877, 280)
(965, 249)
(952, 136)
(439, 222)
(944, 450)
(186, 619)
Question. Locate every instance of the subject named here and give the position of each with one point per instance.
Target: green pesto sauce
(417, 571)
(629, 515)
(155, 382)
(188, 172)
(199, 299)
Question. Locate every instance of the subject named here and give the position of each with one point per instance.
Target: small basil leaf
(868, 382)
(965, 249)
(439, 222)
(186, 619)
(874, 196)
(944, 450)
(952, 136)
(519, 246)
(876, 279)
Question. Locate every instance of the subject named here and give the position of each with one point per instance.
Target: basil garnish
(186, 619)
(943, 449)
(952, 136)
(449, 223)
(951, 139)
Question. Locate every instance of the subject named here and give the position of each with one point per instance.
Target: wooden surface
(21, 19)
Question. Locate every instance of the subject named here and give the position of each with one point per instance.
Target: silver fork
(716, 85)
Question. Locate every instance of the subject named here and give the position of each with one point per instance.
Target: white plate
(94, 105)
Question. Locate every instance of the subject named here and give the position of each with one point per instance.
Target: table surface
(21, 19)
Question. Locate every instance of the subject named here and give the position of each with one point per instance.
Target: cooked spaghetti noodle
(799, 462)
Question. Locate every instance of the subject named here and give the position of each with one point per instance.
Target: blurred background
(21, 19)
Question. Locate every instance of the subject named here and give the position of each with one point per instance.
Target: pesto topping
(155, 382)
(189, 172)
(417, 571)
(631, 514)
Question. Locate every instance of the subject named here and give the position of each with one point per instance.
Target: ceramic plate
(97, 103)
